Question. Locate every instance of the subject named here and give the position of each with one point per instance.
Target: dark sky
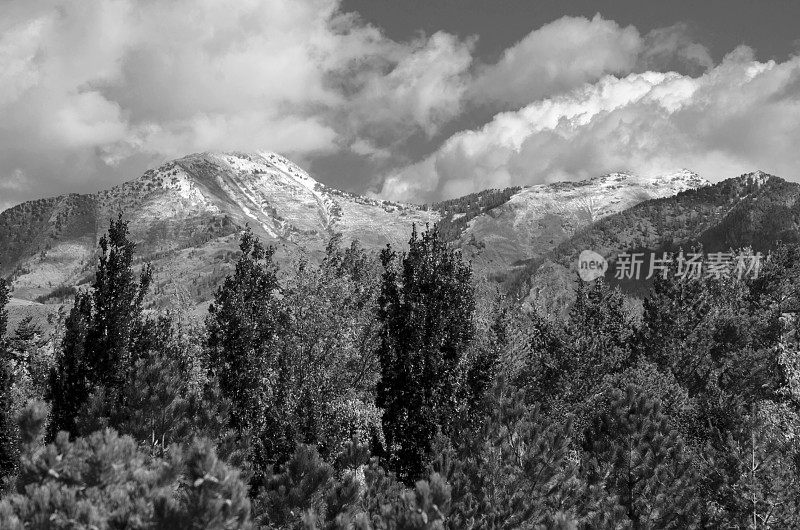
(772, 27)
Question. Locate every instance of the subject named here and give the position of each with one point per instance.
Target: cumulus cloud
(739, 116)
(572, 51)
(558, 56)
(94, 91)
(673, 48)
(86, 86)
(404, 89)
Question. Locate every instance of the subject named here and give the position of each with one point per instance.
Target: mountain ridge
(185, 216)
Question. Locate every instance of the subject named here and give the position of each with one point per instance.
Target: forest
(457, 213)
(392, 390)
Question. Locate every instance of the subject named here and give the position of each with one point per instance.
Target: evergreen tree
(426, 310)
(760, 480)
(8, 438)
(243, 324)
(514, 470)
(102, 333)
(297, 495)
(572, 361)
(633, 454)
(117, 303)
(70, 383)
(169, 397)
(107, 481)
(210, 494)
(600, 330)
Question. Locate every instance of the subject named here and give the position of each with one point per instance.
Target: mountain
(754, 210)
(536, 219)
(186, 215)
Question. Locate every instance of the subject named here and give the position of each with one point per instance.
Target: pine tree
(600, 328)
(574, 360)
(760, 480)
(107, 481)
(633, 454)
(426, 311)
(168, 399)
(675, 313)
(210, 494)
(515, 469)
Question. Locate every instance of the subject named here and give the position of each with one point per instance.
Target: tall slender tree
(7, 431)
(103, 331)
(426, 310)
(243, 324)
(4, 297)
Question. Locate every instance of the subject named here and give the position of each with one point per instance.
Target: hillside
(185, 217)
(753, 210)
(536, 219)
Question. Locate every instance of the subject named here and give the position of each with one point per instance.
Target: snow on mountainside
(186, 216)
(537, 218)
(754, 210)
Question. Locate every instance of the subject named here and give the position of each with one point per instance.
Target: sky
(413, 100)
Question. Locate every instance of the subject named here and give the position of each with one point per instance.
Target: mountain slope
(754, 210)
(186, 215)
(537, 219)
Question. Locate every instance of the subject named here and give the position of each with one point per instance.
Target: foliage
(341, 396)
(516, 469)
(312, 494)
(426, 311)
(8, 436)
(169, 399)
(631, 451)
(106, 481)
(243, 325)
(457, 213)
(105, 331)
(295, 355)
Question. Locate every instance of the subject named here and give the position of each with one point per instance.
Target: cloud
(421, 86)
(88, 86)
(572, 51)
(94, 91)
(673, 48)
(739, 116)
(558, 56)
